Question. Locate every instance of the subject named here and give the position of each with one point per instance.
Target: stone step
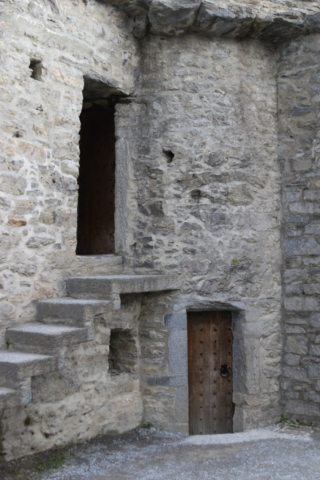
(107, 286)
(9, 398)
(79, 311)
(47, 336)
(15, 366)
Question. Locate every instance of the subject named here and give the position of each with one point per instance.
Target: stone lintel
(105, 286)
(269, 21)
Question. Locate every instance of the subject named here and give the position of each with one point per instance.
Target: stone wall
(85, 399)
(197, 194)
(299, 126)
(39, 140)
(204, 199)
(39, 160)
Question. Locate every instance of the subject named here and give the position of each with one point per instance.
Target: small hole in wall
(27, 421)
(169, 154)
(196, 194)
(36, 68)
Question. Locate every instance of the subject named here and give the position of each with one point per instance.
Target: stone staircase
(38, 348)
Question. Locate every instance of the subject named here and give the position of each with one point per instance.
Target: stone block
(182, 405)
(70, 308)
(176, 320)
(172, 18)
(294, 407)
(295, 373)
(297, 344)
(18, 366)
(302, 304)
(314, 371)
(105, 286)
(302, 246)
(292, 360)
(178, 352)
(47, 336)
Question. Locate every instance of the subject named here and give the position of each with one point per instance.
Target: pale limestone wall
(299, 127)
(212, 212)
(39, 140)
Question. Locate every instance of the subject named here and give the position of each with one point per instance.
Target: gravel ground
(267, 454)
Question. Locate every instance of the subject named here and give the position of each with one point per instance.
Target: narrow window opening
(123, 354)
(96, 201)
(36, 69)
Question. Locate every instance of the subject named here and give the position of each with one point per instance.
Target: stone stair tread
(46, 336)
(43, 329)
(9, 398)
(6, 392)
(103, 286)
(78, 309)
(21, 357)
(75, 301)
(19, 365)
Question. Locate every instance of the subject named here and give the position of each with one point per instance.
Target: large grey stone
(172, 17)
(227, 18)
(47, 336)
(308, 304)
(18, 366)
(296, 373)
(104, 287)
(70, 308)
(297, 344)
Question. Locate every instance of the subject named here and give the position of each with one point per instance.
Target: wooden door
(210, 372)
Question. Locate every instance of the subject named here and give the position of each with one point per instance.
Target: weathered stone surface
(197, 198)
(47, 336)
(76, 309)
(172, 16)
(191, 154)
(297, 344)
(103, 287)
(270, 21)
(298, 72)
(18, 366)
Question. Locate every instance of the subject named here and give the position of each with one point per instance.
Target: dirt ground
(267, 454)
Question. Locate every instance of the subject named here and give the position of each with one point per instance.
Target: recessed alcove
(96, 201)
(123, 353)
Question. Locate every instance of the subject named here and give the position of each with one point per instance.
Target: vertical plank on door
(210, 394)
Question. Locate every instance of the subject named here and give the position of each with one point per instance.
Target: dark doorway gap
(96, 200)
(96, 203)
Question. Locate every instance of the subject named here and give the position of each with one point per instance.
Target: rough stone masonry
(217, 193)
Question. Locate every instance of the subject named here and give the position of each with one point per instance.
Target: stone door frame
(178, 358)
